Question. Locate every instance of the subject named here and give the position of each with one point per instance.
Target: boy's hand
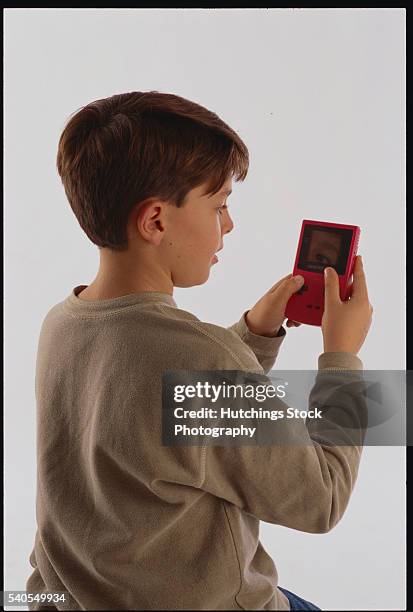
(268, 314)
(346, 324)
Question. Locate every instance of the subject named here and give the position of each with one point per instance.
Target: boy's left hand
(268, 314)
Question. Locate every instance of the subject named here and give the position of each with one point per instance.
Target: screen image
(324, 246)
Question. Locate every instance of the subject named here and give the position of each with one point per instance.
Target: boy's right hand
(345, 325)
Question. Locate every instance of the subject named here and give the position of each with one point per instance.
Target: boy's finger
(292, 323)
(359, 288)
(331, 287)
(278, 283)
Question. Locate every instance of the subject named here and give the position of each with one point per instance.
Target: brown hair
(116, 152)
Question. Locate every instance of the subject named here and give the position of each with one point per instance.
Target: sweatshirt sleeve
(304, 486)
(265, 348)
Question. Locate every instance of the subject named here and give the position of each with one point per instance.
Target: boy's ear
(149, 219)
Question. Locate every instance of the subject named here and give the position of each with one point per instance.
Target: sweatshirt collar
(78, 305)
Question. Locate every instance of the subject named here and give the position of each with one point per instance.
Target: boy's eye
(222, 207)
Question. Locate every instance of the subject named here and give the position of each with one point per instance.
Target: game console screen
(323, 246)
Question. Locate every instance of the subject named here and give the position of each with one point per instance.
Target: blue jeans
(297, 603)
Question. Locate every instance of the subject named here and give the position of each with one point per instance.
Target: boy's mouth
(215, 258)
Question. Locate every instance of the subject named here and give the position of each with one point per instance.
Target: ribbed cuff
(339, 360)
(262, 345)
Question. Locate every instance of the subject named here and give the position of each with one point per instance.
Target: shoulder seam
(215, 339)
(204, 448)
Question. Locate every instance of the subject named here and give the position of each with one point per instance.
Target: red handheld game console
(321, 245)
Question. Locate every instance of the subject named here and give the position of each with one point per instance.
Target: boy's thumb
(332, 287)
(295, 283)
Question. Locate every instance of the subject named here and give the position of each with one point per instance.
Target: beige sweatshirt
(126, 523)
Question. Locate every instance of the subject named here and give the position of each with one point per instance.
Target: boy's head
(145, 174)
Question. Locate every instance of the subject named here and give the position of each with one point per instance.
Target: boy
(125, 522)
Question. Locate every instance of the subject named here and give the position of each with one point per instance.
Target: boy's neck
(125, 273)
(106, 290)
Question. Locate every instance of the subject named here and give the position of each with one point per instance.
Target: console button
(302, 289)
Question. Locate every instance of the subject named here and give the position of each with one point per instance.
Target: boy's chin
(192, 280)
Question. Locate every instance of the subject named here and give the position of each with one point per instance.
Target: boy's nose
(229, 225)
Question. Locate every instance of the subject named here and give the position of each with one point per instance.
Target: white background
(318, 96)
